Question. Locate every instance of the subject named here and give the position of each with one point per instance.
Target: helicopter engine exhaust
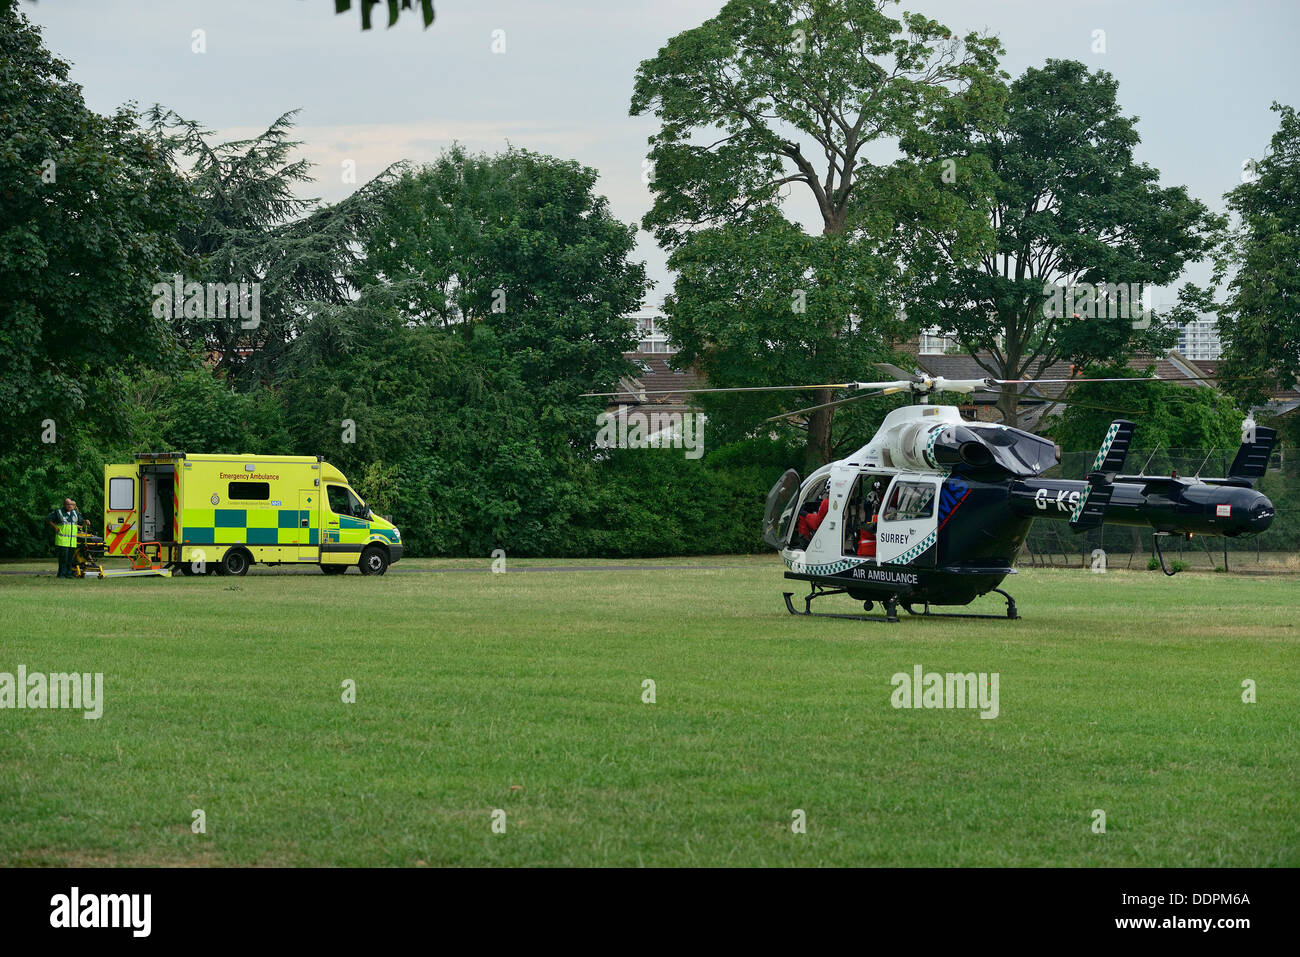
(973, 453)
(1004, 451)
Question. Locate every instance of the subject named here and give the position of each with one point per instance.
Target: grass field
(523, 692)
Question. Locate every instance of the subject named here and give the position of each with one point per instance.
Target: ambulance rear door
(121, 508)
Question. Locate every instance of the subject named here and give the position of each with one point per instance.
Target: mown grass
(523, 692)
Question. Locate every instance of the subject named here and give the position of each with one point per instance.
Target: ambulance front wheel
(234, 562)
(374, 561)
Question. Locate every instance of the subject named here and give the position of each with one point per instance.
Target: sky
(1199, 74)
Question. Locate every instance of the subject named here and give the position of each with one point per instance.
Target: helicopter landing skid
(890, 605)
(1011, 610)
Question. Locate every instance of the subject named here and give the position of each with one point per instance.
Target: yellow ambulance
(222, 513)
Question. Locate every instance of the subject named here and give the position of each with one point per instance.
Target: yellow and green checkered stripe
(248, 526)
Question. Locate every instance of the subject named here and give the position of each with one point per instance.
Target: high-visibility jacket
(66, 535)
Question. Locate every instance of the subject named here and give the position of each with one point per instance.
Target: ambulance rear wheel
(234, 562)
(373, 561)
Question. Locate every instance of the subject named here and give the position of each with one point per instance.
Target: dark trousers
(67, 567)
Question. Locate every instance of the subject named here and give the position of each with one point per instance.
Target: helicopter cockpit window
(812, 509)
(909, 502)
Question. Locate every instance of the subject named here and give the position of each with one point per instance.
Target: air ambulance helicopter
(934, 509)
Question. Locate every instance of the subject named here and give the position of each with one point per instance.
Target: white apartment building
(933, 343)
(1196, 340)
(651, 336)
(1199, 339)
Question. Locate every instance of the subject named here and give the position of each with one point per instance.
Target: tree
(367, 10)
(197, 411)
(733, 302)
(775, 95)
(394, 10)
(1260, 322)
(251, 229)
(493, 293)
(86, 227)
(1167, 415)
(516, 253)
(1069, 226)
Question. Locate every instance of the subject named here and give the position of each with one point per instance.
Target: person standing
(65, 522)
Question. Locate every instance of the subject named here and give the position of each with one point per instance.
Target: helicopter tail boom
(1171, 504)
(1162, 503)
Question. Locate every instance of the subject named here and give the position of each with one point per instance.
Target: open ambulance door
(121, 508)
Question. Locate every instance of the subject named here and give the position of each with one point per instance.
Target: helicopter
(934, 509)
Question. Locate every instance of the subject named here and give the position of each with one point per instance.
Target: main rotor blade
(747, 388)
(1083, 405)
(856, 386)
(890, 369)
(1153, 378)
(828, 405)
(1130, 379)
(922, 385)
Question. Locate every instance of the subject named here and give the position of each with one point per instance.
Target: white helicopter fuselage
(901, 455)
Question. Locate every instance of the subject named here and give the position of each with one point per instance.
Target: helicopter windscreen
(780, 509)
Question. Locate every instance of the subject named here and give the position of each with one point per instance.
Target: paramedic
(65, 521)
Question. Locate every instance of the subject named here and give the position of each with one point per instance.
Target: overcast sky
(1200, 74)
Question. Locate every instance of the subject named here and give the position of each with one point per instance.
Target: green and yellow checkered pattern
(249, 526)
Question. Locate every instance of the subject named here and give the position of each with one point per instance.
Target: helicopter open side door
(907, 531)
(778, 519)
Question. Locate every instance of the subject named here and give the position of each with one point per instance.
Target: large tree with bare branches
(770, 103)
